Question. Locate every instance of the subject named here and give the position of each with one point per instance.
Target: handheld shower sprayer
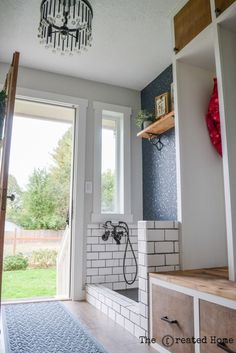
(117, 231)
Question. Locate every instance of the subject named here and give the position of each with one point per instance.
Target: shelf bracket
(155, 140)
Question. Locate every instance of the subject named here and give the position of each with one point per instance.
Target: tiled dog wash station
(156, 247)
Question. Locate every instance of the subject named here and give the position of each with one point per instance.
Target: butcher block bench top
(210, 280)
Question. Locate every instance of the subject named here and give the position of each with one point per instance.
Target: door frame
(77, 291)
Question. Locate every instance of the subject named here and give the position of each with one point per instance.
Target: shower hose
(117, 231)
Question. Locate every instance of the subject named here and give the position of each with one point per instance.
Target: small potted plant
(144, 119)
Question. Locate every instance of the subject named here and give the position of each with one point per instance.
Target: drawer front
(190, 21)
(222, 5)
(173, 306)
(217, 321)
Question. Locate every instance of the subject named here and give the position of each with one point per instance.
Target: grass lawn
(29, 283)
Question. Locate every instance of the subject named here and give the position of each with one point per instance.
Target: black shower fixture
(117, 231)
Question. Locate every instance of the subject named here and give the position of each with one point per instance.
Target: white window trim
(97, 216)
(78, 259)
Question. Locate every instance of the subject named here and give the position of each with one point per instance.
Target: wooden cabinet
(172, 317)
(190, 21)
(222, 5)
(217, 321)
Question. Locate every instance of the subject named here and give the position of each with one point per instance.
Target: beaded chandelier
(66, 25)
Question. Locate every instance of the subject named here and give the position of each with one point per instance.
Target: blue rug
(45, 328)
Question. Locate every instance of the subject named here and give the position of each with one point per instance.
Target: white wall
(93, 91)
(200, 174)
(226, 60)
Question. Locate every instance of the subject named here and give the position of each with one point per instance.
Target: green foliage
(142, 116)
(60, 176)
(43, 258)
(108, 191)
(15, 263)
(45, 202)
(38, 204)
(14, 208)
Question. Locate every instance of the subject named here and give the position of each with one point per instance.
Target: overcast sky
(33, 142)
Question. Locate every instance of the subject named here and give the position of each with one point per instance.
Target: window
(111, 163)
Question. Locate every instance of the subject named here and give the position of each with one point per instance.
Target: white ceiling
(132, 41)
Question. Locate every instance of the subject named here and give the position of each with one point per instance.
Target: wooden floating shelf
(160, 126)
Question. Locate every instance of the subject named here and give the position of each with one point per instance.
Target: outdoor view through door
(37, 230)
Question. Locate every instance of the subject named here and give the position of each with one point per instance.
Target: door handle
(11, 197)
(166, 319)
(224, 347)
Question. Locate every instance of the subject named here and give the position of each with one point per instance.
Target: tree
(45, 203)
(14, 208)
(38, 204)
(60, 175)
(108, 190)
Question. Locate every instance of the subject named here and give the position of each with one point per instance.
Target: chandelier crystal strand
(66, 25)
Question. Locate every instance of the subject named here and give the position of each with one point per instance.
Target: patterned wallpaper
(159, 168)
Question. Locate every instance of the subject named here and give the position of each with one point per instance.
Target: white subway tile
(143, 309)
(92, 240)
(104, 309)
(142, 234)
(142, 271)
(172, 259)
(112, 278)
(143, 297)
(97, 232)
(89, 248)
(105, 271)
(98, 247)
(146, 224)
(164, 247)
(111, 314)
(99, 263)
(176, 246)
(118, 255)
(112, 263)
(155, 235)
(144, 322)
(138, 332)
(117, 270)
(92, 271)
(119, 286)
(134, 318)
(89, 264)
(111, 247)
(164, 224)
(105, 255)
(142, 259)
(125, 312)
(120, 320)
(172, 234)
(155, 260)
(97, 279)
(143, 284)
(92, 256)
(164, 269)
(116, 307)
(129, 326)
(88, 280)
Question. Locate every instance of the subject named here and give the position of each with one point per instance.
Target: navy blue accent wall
(159, 168)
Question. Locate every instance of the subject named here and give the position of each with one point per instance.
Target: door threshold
(34, 300)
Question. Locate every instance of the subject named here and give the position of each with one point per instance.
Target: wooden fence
(27, 236)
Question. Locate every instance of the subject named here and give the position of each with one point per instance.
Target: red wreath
(213, 120)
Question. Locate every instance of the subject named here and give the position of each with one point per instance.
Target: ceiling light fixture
(66, 25)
